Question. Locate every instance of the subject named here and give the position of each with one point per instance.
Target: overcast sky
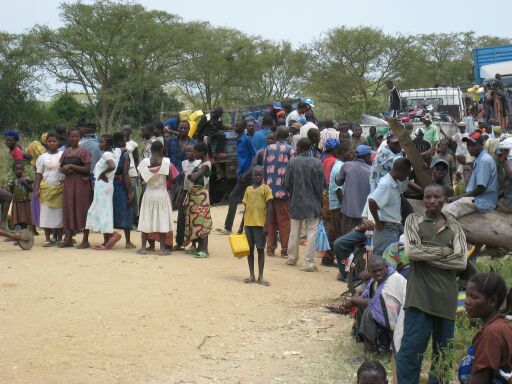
(301, 21)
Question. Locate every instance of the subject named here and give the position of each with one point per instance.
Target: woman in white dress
(100, 216)
(49, 186)
(155, 210)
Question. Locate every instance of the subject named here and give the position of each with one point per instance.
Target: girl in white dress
(100, 217)
(49, 186)
(155, 210)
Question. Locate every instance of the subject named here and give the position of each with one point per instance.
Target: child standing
(20, 188)
(188, 167)
(257, 200)
(100, 217)
(123, 198)
(76, 165)
(198, 221)
(49, 186)
(155, 209)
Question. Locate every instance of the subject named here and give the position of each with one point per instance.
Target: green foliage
(66, 109)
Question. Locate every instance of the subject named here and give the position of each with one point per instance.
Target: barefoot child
(75, 163)
(123, 198)
(198, 221)
(20, 188)
(257, 200)
(188, 167)
(100, 217)
(155, 208)
(49, 186)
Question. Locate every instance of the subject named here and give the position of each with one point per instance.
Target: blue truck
(491, 60)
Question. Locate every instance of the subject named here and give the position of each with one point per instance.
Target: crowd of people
(303, 182)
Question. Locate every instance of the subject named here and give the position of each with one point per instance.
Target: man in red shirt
(329, 159)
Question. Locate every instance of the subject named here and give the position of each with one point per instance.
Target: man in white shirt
(297, 113)
(310, 118)
(328, 133)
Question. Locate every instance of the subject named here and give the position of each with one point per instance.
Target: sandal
(48, 244)
(65, 244)
(99, 247)
(201, 255)
(113, 240)
(192, 251)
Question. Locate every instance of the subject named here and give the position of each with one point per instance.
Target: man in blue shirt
(260, 138)
(176, 147)
(482, 189)
(245, 152)
(91, 142)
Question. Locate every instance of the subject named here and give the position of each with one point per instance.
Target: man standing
(384, 160)
(297, 113)
(245, 151)
(90, 141)
(328, 133)
(310, 118)
(304, 181)
(275, 164)
(176, 151)
(260, 138)
(482, 188)
(214, 130)
(394, 99)
(357, 138)
(354, 175)
(431, 131)
(385, 205)
(436, 247)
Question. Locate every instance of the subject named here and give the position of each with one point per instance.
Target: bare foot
(250, 280)
(142, 251)
(129, 246)
(264, 282)
(83, 246)
(151, 249)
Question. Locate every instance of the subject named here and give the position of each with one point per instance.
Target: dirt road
(72, 316)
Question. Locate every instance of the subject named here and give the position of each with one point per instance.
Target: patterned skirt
(198, 221)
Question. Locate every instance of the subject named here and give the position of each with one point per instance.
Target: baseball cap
(392, 138)
(276, 105)
(439, 161)
(363, 150)
(475, 137)
(309, 102)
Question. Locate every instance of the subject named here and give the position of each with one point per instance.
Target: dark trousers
(180, 225)
(389, 234)
(345, 245)
(418, 327)
(279, 221)
(235, 197)
(177, 188)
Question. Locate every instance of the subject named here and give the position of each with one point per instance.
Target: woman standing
(123, 198)
(198, 222)
(100, 217)
(49, 186)
(76, 165)
(490, 354)
(155, 208)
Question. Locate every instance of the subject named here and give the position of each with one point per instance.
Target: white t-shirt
(462, 149)
(101, 165)
(48, 165)
(294, 115)
(130, 148)
(188, 168)
(305, 128)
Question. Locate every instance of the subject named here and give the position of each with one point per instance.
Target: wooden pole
(421, 171)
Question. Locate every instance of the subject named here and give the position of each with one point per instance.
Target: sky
(300, 21)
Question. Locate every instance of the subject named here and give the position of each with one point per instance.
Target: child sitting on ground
(257, 200)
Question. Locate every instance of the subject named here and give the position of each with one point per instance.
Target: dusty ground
(71, 316)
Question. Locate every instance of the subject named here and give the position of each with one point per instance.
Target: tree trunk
(492, 229)
(420, 169)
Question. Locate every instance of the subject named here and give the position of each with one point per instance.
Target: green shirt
(431, 134)
(432, 289)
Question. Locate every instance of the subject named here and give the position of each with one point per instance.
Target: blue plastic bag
(322, 241)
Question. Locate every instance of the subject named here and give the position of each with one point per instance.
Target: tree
(65, 108)
(112, 50)
(219, 66)
(352, 65)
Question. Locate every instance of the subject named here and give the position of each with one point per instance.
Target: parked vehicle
(491, 60)
(445, 101)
